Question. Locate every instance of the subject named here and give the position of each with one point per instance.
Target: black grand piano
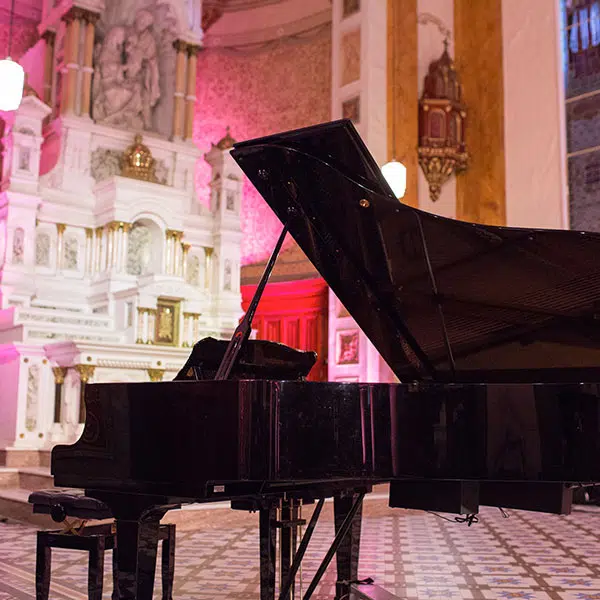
(493, 333)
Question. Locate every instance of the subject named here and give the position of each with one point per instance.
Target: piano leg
(267, 532)
(288, 526)
(347, 552)
(136, 548)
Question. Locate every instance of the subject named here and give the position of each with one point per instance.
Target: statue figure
(126, 86)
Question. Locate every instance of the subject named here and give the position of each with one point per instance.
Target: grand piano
(493, 333)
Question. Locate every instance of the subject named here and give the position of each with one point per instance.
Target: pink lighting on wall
(257, 94)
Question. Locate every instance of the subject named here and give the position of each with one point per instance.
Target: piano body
(493, 332)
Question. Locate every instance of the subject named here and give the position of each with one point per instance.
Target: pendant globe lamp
(394, 171)
(12, 75)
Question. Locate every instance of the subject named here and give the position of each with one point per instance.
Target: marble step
(14, 505)
(29, 478)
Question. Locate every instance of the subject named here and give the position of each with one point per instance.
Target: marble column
(49, 38)
(178, 104)
(190, 97)
(168, 251)
(85, 372)
(89, 19)
(89, 250)
(177, 252)
(71, 60)
(125, 246)
(141, 322)
(208, 252)
(98, 250)
(151, 325)
(184, 267)
(60, 229)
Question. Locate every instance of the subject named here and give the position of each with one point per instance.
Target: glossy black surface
(510, 298)
(300, 432)
(259, 359)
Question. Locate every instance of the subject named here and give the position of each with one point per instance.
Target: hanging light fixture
(394, 171)
(12, 75)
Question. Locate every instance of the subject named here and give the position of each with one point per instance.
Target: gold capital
(86, 372)
(155, 374)
(60, 227)
(180, 45)
(59, 374)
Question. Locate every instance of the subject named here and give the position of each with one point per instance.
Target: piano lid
(434, 295)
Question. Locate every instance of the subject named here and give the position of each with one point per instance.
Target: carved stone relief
(139, 249)
(33, 380)
(105, 163)
(42, 250)
(71, 253)
(227, 279)
(133, 71)
(18, 247)
(193, 270)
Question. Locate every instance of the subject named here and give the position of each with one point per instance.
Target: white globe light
(12, 77)
(395, 174)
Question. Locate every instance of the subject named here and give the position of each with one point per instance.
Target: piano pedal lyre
(450, 496)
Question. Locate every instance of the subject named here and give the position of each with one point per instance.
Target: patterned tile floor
(414, 555)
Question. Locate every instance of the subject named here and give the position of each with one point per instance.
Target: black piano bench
(95, 539)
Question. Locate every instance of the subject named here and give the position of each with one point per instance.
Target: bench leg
(96, 570)
(168, 563)
(43, 566)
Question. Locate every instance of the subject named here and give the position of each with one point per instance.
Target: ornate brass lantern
(441, 125)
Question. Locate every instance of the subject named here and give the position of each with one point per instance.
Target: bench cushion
(72, 502)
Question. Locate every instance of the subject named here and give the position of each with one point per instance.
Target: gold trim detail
(85, 372)
(155, 375)
(59, 374)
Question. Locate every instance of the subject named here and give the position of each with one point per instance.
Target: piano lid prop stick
(242, 332)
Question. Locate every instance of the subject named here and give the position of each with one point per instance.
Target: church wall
(282, 87)
(534, 142)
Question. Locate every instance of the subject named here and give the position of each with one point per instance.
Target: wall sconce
(442, 119)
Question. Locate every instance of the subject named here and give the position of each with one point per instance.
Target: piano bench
(95, 539)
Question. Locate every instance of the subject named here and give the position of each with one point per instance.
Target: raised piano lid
(507, 298)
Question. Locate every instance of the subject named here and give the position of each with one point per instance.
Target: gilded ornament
(226, 142)
(155, 374)
(138, 163)
(442, 115)
(86, 372)
(59, 374)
